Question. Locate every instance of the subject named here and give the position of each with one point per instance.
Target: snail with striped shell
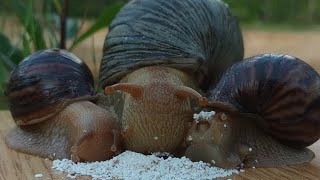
(159, 58)
(268, 109)
(50, 95)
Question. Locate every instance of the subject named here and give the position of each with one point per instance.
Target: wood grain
(16, 166)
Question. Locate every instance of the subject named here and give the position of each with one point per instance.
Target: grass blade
(103, 21)
(25, 13)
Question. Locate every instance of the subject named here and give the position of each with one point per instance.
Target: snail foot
(265, 151)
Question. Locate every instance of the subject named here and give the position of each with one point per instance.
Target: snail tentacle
(134, 90)
(185, 92)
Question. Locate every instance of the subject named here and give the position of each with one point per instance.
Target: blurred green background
(30, 25)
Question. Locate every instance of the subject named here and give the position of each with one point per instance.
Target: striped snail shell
(283, 90)
(200, 37)
(50, 95)
(161, 53)
(44, 83)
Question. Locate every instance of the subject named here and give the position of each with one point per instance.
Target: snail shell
(283, 90)
(46, 82)
(50, 95)
(199, 37)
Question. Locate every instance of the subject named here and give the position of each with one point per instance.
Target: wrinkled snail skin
(157, 109)
(81, 131)
(273, 108)
(50, 95)
(161, 54)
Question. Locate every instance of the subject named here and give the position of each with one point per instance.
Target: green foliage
(24, 11)
(33, 36)
(9, 57)
(104, 20)
(298, 12)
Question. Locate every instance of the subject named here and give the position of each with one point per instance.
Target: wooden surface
(14, 165)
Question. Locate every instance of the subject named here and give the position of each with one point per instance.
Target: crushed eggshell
(203, 115)
(38, 175)
(155, 138)
(131, 165)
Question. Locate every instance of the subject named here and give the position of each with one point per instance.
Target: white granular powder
(203, 115)
(38, 175)
(131, 165)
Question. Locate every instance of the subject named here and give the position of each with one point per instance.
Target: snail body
(50, 95)
(156, 108)
(165, 53)
(272, 101)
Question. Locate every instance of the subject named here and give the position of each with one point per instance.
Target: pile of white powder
(131, 165)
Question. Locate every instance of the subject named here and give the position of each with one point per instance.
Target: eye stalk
(136, 91)
(184, 92)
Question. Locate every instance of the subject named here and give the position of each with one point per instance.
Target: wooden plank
(14, 165)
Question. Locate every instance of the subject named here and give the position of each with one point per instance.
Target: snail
(51, 99)
(158, 58)
(267, 113)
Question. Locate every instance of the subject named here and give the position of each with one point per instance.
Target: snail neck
(156, 108)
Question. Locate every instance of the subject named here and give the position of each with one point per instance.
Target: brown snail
(268, 109)
(161, 54)
(50, 95)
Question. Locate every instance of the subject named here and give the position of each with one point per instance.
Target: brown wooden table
(14, 165)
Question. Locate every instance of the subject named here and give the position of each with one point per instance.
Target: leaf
(25, 13)
(103, 21)
(7, 63)
(13, 54)
(3, 75)
(26, 45)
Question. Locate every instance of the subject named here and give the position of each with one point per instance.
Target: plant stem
(63, 21)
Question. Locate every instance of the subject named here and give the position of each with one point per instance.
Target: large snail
(50, 95)
(268, 109)
(160, 53)
(159, 58)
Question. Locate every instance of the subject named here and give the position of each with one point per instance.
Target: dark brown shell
(200, 37)
(283, 90)
(45, 82)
